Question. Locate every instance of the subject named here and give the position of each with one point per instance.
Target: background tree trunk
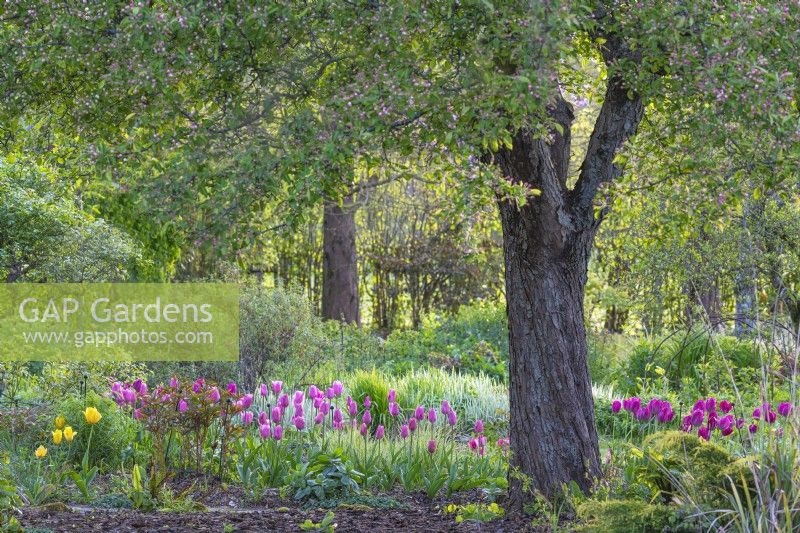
(340, 267)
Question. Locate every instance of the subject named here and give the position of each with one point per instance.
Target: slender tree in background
(225, 105)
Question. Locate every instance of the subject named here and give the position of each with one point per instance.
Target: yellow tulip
(69, 434)
(92, 415)
(60, 421)
(57, 436)
(40, 452)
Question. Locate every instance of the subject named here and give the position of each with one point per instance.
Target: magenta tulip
(725, 406)
(412, 424)
(366, 418)
(277, 386)
(247, 418)
(478, 426)
(183, 406)
(431, 446)
(338, 388)
(299, 422)
(404, 430)
(232, 388)
(784, 408)
(214, 395)
(263, 390)
(394, 409)
(432, 415)
(379, 432)
(363, 429)
(616, 406)
(277, 433)
(367, 402)
(265, 431)
(419, 412)
(392, 396)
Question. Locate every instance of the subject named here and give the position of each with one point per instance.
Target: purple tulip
(183, 406)
(265, 431)
(367, 402)
(478, 426)
(452, 419)
(283, 401)
(412, 424)
(173, 382)
(352, 409)
(725, 406)
(232, 388)
(263, 418)
(325, 408)
(263, 390)
(129, 395)
(299, 397)
(277, 433)
(197, 386)
(276, 414)
(431, 446)
(366, 418)
(711, 404)
(320, 418)
(214, 395)
(247, 401)
(392, 396)
(473, 444)
(116, 387)
(363, 429)
(616, 405)
(697, 417)
(379, 432)
(757, 412)
(666, 414)
(338, 388)
(445, 407)
(329, 394)
(432, 415)
(137, 385)
(784, 408)
(770, 416)
(276, 387)
(727, 431)
(726, 423)
(313, 392)
(404, 430)
(419, 412)
(394, 409)
(337, 416)
(739, 423)
(247, 418)
(298, 410)
(687, 423)
(753, 428)
(317, 402)
(299, 422)
(704, 433)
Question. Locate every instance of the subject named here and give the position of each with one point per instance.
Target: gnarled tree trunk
(339, 263)
(546, 246)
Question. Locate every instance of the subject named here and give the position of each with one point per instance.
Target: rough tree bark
(339, 263)
(546, 246)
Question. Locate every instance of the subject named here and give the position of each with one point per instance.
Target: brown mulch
(229, 509)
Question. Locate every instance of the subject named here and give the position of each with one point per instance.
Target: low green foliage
(624, 516)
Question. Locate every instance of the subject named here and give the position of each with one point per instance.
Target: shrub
(624, 516)
(685, 464)
(278, 326)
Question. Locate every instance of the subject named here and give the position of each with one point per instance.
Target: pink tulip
(129, 395)
(263, 390)
(313, 392)
(197, 386)
(299, 397)
(412, 424)
(283, 401)
(404, 431)
(214, 395)
(277, 433)
(392, 396)
(329, 394)
(367, 402)
(247, 418)
(431, 446)
(247, 401)
(263, 418)
(265, 431)
(338, 388)
(232, 388)
(394, 409)
(320, 418)
(379, 432)
(363, 429)
(183, 406)
(137, 414)
(366, 418)
(276, 414)
(325, 408)
(432, 415)
(299, 422)
(419, 412)
(616, 405)
(173, 382)
(478, 426)
(473, 443)
(317, 402)
(276, 387)
(337, 416)
(352, 408)
(298, 410)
